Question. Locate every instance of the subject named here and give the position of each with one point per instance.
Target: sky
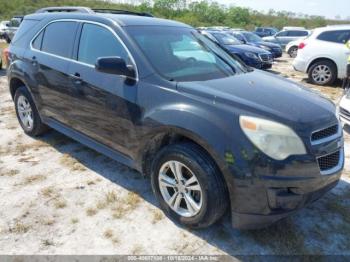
(327, 8)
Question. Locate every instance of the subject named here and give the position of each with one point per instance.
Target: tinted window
(38, 40)
(25, 27)
(340, 36)
(226, 39)
(259, 29)
(283, 33)
(59, 38)
(97, 41)
(297, 33)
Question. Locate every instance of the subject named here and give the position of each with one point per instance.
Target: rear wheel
(27, 113)
(293, 51)
(188, 185)
(323, 73)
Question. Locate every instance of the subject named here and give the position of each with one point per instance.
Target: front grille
(329, 161)
(266, 57)
(324, 133)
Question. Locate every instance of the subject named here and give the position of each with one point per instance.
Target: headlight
(274, 139)
(251, 55)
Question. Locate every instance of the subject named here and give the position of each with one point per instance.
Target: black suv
(161, 98)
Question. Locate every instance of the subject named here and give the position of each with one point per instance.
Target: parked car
(344, 109)
(3, 27)
(254, 40)
(292, 47)
(323, 55)
(250, 55)
(265, 31)
(284, 37)
(12, 28)
(293, 28)
(209, 131)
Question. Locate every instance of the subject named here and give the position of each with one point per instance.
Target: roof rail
(81, 9)
(78, 9)
(120, 12)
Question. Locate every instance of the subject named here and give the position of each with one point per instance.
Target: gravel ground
(59, 197)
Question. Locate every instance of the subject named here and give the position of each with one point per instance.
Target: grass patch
(91, 212)
(74, 220)
(70, 162)
(47, 242)
(20, 228)
(10, 173)
(60, 203)
(157, 216)
(33, 179)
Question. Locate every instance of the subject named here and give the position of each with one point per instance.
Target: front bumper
(268, 190)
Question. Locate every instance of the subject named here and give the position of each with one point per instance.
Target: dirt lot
(59, 197)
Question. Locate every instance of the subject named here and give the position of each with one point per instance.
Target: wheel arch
(322, 59)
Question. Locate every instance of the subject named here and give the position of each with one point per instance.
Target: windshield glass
(252, 37)
(226, 39)
(183, 54)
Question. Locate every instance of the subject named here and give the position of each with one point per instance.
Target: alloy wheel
(25, 112)
(321, 74)
(180, 188)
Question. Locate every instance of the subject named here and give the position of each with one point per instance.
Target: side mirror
(114, 65)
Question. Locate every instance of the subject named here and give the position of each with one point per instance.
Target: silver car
(285, 36)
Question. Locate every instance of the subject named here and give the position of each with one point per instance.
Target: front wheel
(188, 185)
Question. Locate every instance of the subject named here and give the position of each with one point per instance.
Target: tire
(293, 51)
(211, 198)
(25, 106)
(323, 72)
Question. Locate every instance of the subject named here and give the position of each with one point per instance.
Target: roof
(121, 19)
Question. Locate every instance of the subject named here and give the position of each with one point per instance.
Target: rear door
(102, 106)
(50, 55)
(333, 46)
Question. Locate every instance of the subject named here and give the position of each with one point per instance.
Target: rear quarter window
(59, 38)
(338, 36)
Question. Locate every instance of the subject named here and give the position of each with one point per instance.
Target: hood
(268, 96)
(246, 48)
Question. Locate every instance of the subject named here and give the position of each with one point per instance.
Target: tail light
(301, 45)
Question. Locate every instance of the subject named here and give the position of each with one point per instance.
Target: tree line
(195, 13)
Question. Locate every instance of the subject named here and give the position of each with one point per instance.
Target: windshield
(226, 39)
(183, 54)
(252, 37)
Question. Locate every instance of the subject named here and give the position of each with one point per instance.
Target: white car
(292, 47)
(323, 55)
(3, 27)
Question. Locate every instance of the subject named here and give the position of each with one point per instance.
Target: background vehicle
(215, 133)
(323, 55)
(293, 28)
(292, 47)
(250, 55)
(344, 109)
(13, 26)
(3, 27)
(286, 36)
(265, 31)
(254, 40)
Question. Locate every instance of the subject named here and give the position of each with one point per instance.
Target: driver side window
(281, 34)
(97, 41)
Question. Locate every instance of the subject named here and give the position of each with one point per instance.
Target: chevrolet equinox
(157, 96)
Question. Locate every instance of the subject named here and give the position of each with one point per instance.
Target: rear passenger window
(59, 38)
(97, 41)
(341, 36)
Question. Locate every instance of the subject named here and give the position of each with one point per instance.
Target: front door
(102, 106)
